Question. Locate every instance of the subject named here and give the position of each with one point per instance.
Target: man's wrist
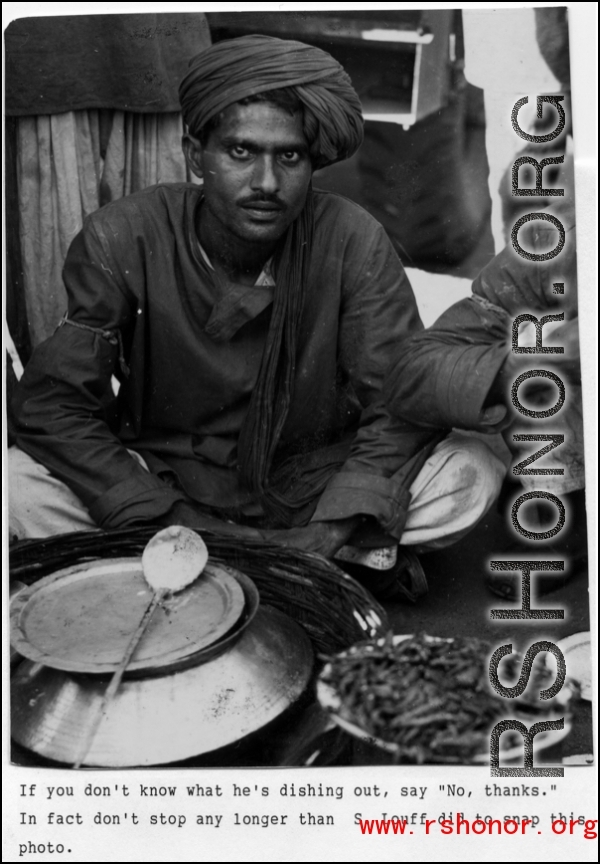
(341, 530)
(499, 392)
(181, 513)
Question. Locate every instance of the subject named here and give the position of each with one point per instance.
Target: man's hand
(326, 538)
(192, 516)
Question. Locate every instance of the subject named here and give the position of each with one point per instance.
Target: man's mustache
(261, 199)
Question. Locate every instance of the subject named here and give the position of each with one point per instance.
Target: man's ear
(194, 155)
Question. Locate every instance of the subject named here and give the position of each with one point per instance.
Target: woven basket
(332, 607)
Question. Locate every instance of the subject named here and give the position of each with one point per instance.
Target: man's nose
(265, 177)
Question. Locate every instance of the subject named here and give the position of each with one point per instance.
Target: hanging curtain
(70, 164)
(92, 115)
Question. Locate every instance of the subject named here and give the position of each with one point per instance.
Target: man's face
(256, 170)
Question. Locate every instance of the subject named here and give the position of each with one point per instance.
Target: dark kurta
(194, 345)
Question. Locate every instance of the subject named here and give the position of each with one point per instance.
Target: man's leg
(454, 489)
(39, 505)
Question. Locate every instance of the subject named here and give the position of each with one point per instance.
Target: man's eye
(239, 152)
(290, 157)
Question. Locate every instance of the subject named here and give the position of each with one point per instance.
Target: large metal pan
(214, 697)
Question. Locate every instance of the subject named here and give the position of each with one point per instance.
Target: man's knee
(457, 485)
(40, 505)
(475, 473)
(24, 478)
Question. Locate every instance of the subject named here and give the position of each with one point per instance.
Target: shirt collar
(265, 277)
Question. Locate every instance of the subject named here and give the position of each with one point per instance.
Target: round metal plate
(81, 619)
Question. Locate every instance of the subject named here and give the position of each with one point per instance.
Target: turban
(237, 68)
(218, 77)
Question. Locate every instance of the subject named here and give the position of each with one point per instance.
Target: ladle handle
(113, 686)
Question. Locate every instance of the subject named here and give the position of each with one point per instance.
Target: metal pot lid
(82, 618)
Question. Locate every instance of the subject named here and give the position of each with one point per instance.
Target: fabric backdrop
(69, 165)
(94, 100)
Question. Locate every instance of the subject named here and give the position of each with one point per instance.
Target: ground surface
(459, 601)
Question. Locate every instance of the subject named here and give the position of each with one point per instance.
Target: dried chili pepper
(429, 697)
